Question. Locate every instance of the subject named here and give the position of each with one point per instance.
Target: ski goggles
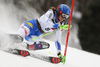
(64, 15)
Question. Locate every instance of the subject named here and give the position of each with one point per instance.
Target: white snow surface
(74, 58)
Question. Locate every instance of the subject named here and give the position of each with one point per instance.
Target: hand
(65, 27)
(64, 59)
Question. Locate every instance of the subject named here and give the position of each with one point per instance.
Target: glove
(65, 27)
(63, 58)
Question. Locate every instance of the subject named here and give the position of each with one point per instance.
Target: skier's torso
(47, 23)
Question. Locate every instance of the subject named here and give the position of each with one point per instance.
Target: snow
(77, 14)
(74, 58)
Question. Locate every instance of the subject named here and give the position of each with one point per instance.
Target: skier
(52, 20)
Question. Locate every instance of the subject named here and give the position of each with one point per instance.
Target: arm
(46, 22)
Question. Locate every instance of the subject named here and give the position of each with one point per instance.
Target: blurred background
(84, 34)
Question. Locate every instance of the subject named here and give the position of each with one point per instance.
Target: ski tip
(55, 60)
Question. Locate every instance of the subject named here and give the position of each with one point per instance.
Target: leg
(37, 44)
(22, 32)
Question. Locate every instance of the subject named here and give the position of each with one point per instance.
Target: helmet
(63, 9)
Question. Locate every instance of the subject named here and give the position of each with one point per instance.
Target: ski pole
(65, 27)
(42, 36)
(68, 33)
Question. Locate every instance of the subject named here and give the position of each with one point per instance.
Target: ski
(26, 53)
(54, 60)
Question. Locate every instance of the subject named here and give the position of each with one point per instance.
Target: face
(61, 18)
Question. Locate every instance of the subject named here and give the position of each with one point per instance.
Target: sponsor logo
(30, 24)
(47, 29)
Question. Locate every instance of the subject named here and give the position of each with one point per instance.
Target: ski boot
(40, 45)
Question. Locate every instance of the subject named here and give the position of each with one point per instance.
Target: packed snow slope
(74, 58)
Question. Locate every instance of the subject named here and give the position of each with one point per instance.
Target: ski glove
(65, 27)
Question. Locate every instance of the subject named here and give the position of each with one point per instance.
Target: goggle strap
(59, 10)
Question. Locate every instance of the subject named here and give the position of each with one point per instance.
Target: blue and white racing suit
(30, 29)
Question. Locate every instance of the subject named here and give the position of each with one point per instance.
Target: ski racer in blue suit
(48, 22)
